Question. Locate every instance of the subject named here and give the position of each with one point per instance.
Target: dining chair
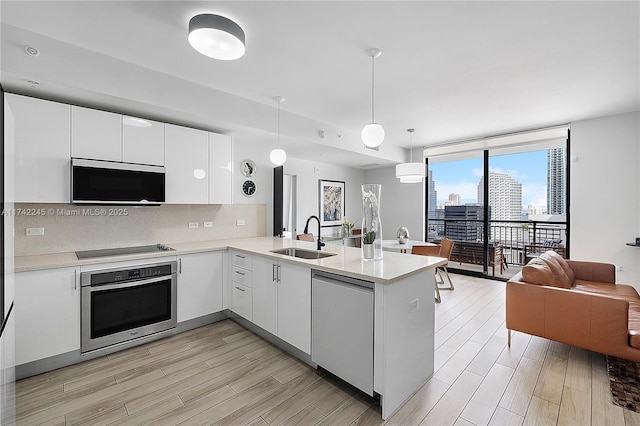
(442, 250)
(305, 237)
(357, 242)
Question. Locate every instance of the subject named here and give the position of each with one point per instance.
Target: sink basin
(302, 253)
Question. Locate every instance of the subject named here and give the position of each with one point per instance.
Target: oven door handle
(127, 284)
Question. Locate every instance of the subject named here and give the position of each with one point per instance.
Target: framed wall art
(331, 202)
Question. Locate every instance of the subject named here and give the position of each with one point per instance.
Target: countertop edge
(69, 259)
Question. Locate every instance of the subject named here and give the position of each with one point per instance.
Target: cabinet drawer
(242, 276)
(242, 260)
(242, 301)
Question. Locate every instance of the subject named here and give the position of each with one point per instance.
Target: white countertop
(347, 261)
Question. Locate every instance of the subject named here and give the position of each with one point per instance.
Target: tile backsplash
(69, 227)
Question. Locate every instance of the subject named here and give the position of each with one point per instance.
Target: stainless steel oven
(119, 305)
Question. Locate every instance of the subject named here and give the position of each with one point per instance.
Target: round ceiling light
(372, 135)
(216, 37)
(278, 156)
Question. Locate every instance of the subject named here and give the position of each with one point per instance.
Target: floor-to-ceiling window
(502, 205)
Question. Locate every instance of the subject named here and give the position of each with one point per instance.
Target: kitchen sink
(302, 253)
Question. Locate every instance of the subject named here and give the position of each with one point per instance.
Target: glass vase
(371, 223)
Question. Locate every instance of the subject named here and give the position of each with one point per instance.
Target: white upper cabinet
(220, 168)
(96, 134)
(41, 146)
(186, 164)
(142, 141)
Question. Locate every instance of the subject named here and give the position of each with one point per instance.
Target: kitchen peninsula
(403, 300)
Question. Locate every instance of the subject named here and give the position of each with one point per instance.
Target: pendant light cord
(373, 83)
(278, 124)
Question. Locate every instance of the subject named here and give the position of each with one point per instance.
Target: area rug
(624, 381)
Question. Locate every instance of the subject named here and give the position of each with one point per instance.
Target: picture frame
(331, 202)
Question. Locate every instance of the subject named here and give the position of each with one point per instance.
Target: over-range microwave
(116, 183)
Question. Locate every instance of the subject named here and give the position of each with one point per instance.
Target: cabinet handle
(273, 272)
(241, 289)
(239, 273)
(180, 266)
(75, 280)
(279, 273)
(241, 257)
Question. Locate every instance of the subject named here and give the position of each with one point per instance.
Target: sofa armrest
(593, 271)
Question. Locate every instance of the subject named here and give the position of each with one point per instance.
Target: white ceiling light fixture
(373, 133)
(278, 156)
(410, 172)
(216, 37)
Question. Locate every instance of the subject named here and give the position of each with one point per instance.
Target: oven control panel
(132, 274)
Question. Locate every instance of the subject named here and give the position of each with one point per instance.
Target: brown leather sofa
(577, 303)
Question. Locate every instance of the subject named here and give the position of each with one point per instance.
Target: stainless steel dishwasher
(342, 328)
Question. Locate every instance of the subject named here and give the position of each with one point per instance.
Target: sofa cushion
(563, 263)
(617, 291)
(541, 272)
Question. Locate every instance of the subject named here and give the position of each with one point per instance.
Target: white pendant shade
(410, 172)
(372, 135)
(278, 156)
(216, 37)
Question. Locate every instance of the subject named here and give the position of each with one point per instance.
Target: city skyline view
(462, 177)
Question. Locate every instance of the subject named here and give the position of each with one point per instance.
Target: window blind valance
(554, 137)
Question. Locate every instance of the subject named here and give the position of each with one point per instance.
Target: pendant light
(278, 156)
(216, 37)
(373, 133)
(410, 172)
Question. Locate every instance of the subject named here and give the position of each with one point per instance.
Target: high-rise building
(432, 194)
(505, 196)
(556, 181)
(467, 227)
(454, 199)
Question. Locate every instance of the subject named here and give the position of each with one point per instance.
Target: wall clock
(248, 188)
(248, 168)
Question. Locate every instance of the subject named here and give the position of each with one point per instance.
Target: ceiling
(451, 70)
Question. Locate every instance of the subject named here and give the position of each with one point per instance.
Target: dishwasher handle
(342, 279)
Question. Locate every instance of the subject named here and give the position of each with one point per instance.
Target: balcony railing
(519, 240)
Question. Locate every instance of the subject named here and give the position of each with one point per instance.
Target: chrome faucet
(306, 230)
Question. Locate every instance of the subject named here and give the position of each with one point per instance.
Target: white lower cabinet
(200, 282)
(47, 313)
(241, 283)
(282, 301)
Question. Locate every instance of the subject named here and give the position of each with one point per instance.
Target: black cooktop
(121, 251)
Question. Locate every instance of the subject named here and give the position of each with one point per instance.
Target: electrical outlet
(35, 231)
(414, 305)
(239, 222)
(193, 225)
(208, 224)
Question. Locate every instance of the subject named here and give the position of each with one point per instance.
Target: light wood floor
(224, 374)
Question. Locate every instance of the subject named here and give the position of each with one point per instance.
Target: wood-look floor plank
(541, 413)
(213, 414)
(308, 416)
(285, 410)
(578, 375)
(503, 417)
(259, 407)
(603, 412)
(518, 394)
(511, 356)
(346, 413)
(551, 379)
(458, 362)
(484, 402)
(448, 408)
(575, 408)
(106, 418)
(417, 408)
(152, 413)
(486, 358)
(536, 349)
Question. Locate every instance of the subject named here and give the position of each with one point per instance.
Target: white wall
(401, 204)
(605, 192)
(308, 173)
